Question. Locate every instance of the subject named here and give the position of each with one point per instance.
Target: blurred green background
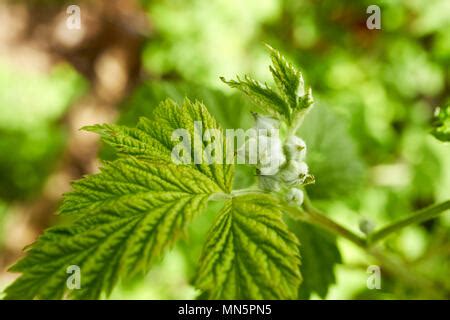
(368, 136)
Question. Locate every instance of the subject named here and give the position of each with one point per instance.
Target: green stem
(241, 192)
(417, 217)
(314, 216)
(222, 196)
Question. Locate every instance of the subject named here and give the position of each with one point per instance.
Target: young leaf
(264, 97)
(287, 78)
(290, 102)
(319, 257)
(250, 254)
(127, 215)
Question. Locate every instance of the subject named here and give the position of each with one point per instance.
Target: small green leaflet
(249, 253)
(320, 255)
(126, 216)
(289, 101)
(441, 124)
(265, 98)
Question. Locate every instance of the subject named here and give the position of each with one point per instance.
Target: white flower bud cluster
(281, 164)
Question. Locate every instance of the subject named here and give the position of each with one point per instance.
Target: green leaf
(249, 253)
(264, 97)
(152, 138)
(332, 155)
(320, 255)
(128, 214)
(290, 102)
(442, 124)
(287, 78)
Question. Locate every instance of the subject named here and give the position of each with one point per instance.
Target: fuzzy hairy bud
(295, 172)
(295, 196)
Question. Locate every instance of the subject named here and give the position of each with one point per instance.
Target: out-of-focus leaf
(30, 142)
(319, 257)
(26, 158)
(29, 100)
(332, 155)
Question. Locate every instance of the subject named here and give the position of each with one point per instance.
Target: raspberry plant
(131, 212)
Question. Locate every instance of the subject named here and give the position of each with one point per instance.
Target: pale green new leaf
(286, 76)
(250, 254)
(268, 100)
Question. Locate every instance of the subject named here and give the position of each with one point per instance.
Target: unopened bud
(366, 226)
(295, 148)
(270, 155)
(295, 173)
(295, 196)
(265, 124)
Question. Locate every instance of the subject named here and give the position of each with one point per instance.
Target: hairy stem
(417, 217)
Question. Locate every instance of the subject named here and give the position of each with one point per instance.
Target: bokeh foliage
(369, 138)
(31, 106)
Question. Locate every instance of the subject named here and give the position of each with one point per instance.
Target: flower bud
(366, 226)
(295, 148)
(265, 125)
(295, 196)
(269, 170)
(270, 155)
(294, 173)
